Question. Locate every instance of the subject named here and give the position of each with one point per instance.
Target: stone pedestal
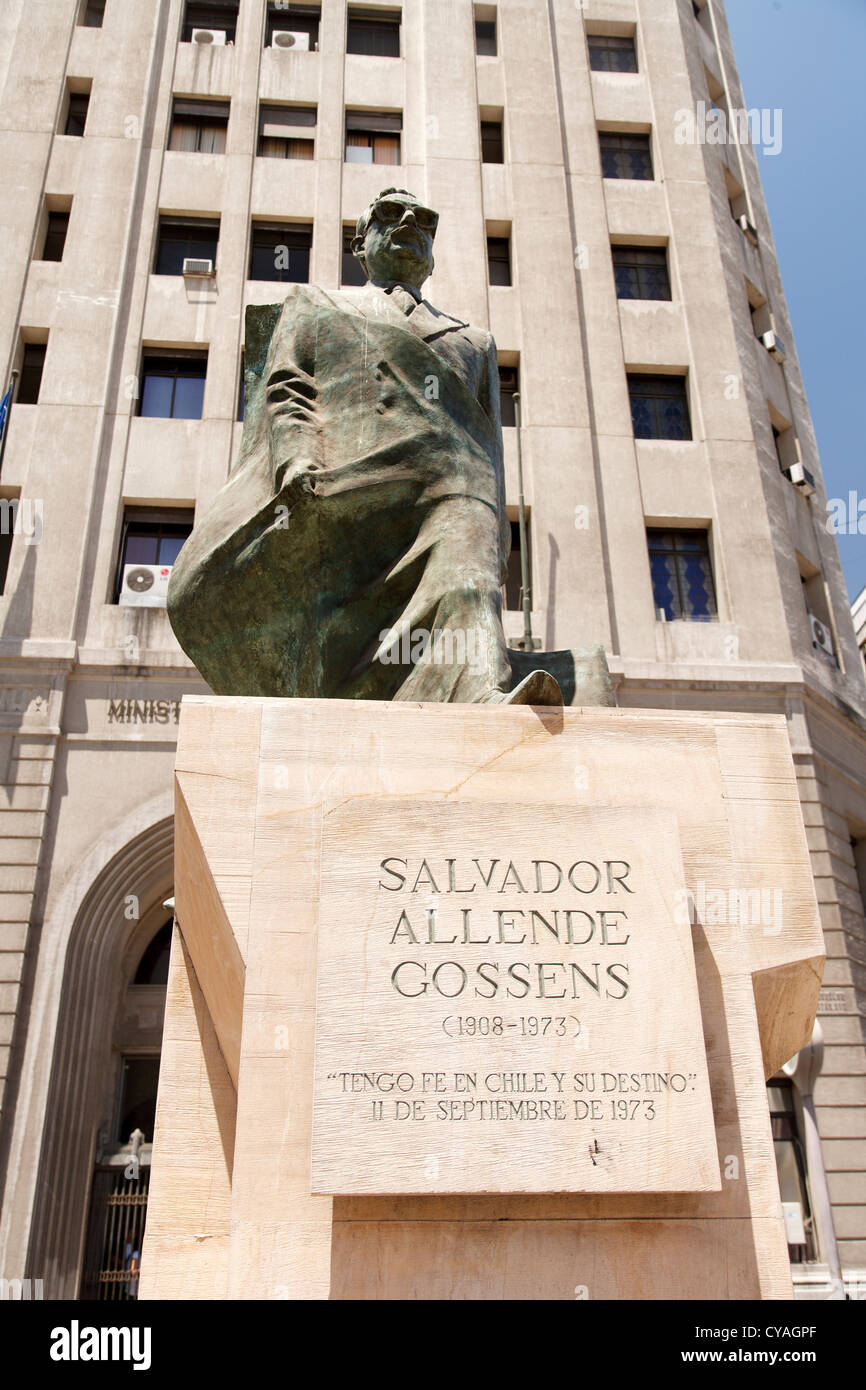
(478, 1002)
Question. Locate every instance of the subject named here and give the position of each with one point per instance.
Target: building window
(858, 850)
(150, 538)
(509, 385)
(373, 138)
(296, 28)
(682, 576)
(138, 1098)
(7, 535)
(280, 253)
(641, 272)
(242, 388)
(30, 380)
(76, 113)
(702, 14)
(791, 1168)
(55, 236)
(485, 38)
(173, 385)
(153, 966)
(610, 54)
(659, 407)
(10, 508)
(817, 611)
(625, 156)
(514, 582)
(499, 260)
(92, 14)
(287, 132)
(199, 127)
(219, 17)
(492, 145)
(353, 272)
(185, 238)
(373, 32)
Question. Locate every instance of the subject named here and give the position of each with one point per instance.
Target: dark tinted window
(682, 576)
(791, 1164)
(371, 34)
(281, 253)
(353, 271)
(138, 1098)
(220, 16)
(173, 387)
(76, 115)
(55, 236)
(659, 407)
(93, 14)
(180, 239)
(641, 272)
(514, 582)
(492, 150)
(300, 19)
(499, 260)
(6, 537)
(153, 966)
(625, 156)
(152, 538)
(612, 54)
(30, 381)
(485, 37)
(508, 388)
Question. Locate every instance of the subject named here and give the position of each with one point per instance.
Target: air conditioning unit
(747, 226)
(209, 36)
(144, 586)
(800, 476)
(196, 269)
(290, 38)
(774, 345)
(795, 1229)
(821, 637)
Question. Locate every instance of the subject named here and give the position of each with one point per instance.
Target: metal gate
(115, 1231)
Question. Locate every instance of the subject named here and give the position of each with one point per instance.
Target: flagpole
(15, 375)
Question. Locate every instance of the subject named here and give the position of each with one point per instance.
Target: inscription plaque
(506, 1002)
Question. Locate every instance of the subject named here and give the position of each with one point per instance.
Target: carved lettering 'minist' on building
(143, 711)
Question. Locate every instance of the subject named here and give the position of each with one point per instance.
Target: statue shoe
(538, 688)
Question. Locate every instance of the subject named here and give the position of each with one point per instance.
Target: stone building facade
(858, 613)
(167, 163)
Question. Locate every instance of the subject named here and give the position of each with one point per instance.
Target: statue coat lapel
(425, 321)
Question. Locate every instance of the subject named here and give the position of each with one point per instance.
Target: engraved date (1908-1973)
(496, 1026)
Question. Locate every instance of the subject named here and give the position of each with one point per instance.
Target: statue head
(394, 238)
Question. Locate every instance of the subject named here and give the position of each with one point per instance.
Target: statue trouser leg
(452, 627)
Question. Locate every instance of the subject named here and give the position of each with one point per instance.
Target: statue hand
(293, 477)
(295, 433)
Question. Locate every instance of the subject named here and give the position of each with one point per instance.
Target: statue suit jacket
(362, 426)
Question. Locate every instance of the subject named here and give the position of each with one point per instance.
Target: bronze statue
(358, 549)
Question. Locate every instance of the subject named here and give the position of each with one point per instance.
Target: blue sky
(806, 57)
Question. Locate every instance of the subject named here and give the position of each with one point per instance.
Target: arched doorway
(102, 1025)
(121, 1177)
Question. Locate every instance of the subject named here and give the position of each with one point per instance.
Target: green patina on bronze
(367, 504)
